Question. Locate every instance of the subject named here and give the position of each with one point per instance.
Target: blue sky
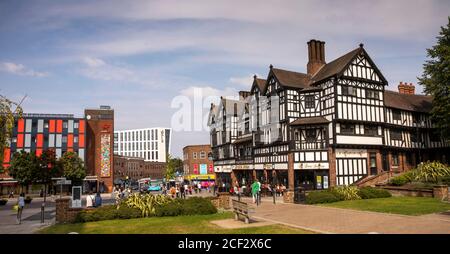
(138, 55)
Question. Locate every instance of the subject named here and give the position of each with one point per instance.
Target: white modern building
(151, 144)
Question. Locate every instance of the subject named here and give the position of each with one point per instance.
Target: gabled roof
(290, 78)
(310, 120)
(339, 65)
(410, 102)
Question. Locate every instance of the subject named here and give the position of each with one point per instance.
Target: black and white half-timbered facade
(334, 125)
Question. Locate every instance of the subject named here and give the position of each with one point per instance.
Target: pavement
(345, 221)
(31, 215)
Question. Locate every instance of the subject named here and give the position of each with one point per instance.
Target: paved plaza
(345, 221)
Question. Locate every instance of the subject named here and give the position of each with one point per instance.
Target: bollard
(239, 197)
(42, 212)
(273, 195)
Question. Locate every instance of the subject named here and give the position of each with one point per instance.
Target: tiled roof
(291, 78)
(336, 66)
(310, 120)
(411, 102)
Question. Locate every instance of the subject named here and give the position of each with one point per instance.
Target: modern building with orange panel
(91, 137)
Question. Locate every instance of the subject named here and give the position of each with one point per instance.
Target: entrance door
(385, 161)
(373, 163)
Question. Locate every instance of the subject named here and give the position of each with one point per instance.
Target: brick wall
(65, 214)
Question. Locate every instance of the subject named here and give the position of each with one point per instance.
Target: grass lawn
(198, 224)
(398, 205)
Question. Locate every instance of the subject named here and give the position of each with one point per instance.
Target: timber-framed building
(334, 125)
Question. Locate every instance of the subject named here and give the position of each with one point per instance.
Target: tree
(73, 167)
(9, 110)
(173, 165)
(23, 168)
(47, 167)
(436, 80)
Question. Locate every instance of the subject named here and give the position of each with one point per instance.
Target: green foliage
(173, 165)
(319, 197)
(9, 111)
(436, 80)
(371, 192)
(23, 167)
(146, 203)
(190, 206)
(47, 167)
(346, 192)
(109, 212)
(403, 178)
(431, 172)
(73, 167)
(444, 180)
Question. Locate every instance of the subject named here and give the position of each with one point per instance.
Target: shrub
(346, 192)
(190, 206)
(197, 205)
(146, 203)
(444, 180)
(319, 197)
(404, 178)
(109, 212)
(431, 171)
(371, 192)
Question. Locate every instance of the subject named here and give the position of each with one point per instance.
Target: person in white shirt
(90, 200)
(21, 204)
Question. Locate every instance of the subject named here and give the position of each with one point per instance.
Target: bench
(243, 209)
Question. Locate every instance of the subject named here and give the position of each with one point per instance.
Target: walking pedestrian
(98, 200)
(182, 193)
(199, 186)
(21, 204)
(255, 189)
(90, 200)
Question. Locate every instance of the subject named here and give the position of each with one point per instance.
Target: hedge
(190, 206)
(371, 192)
(319, 197)
(108, 212)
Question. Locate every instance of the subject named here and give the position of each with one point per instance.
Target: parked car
(154, 188)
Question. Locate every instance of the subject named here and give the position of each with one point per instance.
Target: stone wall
(440, 192)
(64, 213)
(288, 197)
(222, 201)
(402, 191)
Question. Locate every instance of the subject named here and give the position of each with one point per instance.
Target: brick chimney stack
(316, 56)
(404, 88)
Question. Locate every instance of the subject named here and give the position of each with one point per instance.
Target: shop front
(310, 179)
(206, 180)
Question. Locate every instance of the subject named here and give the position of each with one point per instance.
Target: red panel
(69, 140)
(81, 140)
(51, 127)
(5, 165)
(69, 149)
(81, 126)
(20, 125)
(38, 152)
(58, 126)
(196, 169)
(40, 140)
(6, 155)
(19, 140)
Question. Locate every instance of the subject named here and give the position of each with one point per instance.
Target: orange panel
(6, 155)
(51, 127)
(40, 140)
(58, 126)
(81, 140)
(38, 152)
(19, 140)
(81, 126)
(70, 140)
(20, 125)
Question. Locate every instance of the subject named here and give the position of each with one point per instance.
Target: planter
(3, 201)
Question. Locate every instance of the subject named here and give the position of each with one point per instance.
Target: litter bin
(299, 195)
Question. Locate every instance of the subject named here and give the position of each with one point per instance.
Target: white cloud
(20, 69)
(245, 81)
(93, 62)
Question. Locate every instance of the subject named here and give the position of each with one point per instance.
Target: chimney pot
(316, 56)
(254, 76)
(271, 66)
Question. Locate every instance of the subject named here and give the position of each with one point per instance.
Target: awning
(310, 120)
(9, 183)
(201, 177)
(90, 178)
(243, 140)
